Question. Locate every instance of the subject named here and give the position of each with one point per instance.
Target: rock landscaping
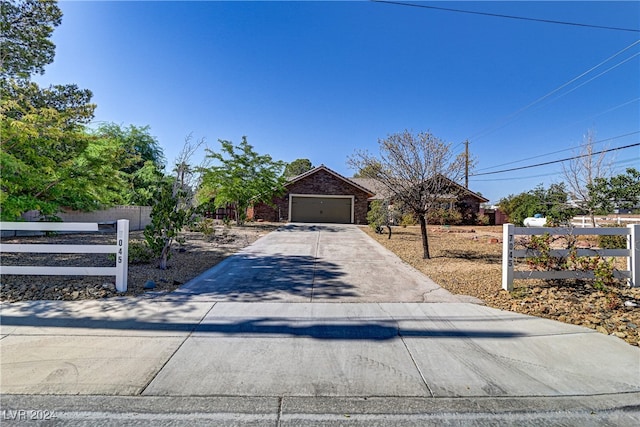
(196, 253)
(467, 260)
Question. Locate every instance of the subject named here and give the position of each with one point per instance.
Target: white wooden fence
(121, 249)
(585, 221)
(510, 253)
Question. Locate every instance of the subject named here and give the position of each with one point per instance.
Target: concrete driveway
(311, 325)
(316, 263)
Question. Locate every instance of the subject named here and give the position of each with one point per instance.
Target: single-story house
(323, 195)
(318, 195)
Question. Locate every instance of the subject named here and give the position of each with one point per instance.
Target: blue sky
(319, 80)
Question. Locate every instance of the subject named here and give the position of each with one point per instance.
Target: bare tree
(581, 171)
(418, 170)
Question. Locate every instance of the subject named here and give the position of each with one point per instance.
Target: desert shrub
(408, 219)
(603, 268)
(139, 253)
(206, 226)
(483, 220)
(612, 242)
(543, 260)
(444, 216)
(376, 216)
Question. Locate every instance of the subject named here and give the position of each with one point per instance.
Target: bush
(376, 216)
(444, 217)
(408, 219)
(139, 253)
(483, 220)
(612, 242)
(204, 226)
(602, 268)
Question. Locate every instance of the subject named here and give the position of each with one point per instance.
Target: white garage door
(321, 209)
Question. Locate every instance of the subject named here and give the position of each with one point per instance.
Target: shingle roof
(370, 185)
(380, 191)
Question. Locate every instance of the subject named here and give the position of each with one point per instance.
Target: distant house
(318, 195)
(323, 195)
(494, 215)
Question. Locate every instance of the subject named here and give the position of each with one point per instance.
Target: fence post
(507, 256)
(122, 256)
(633, 260)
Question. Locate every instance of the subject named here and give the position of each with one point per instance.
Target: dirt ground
(194, 256)
(467, 260)
(464, 260)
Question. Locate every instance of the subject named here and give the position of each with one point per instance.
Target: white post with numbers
(122, 255)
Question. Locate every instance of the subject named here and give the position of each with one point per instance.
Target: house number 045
(120, 251)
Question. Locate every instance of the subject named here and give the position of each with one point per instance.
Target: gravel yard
(195, 255)
(465, 260)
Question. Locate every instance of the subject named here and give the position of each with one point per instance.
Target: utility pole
(466, 164)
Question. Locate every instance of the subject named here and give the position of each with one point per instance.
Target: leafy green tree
(173, 206)
(520, 206)
(23, 97)
(171, 211)
(297, 167)
(141, 161)
(368, 171)
(48, 158)
(137, 143)
(549, 202)
(41, 154)
(620, 191)
(143, 184)
(26, 27)
(240, 176)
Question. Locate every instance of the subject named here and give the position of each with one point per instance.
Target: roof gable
(334, 173)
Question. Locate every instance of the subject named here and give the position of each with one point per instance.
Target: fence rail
(510, 253)
(584, 221)
(121, 249)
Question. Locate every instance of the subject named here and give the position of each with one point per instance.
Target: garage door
(321, 209)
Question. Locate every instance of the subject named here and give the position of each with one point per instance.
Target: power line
(514, 178)
(561, 151)
(501, 123)
(598, 114)
(544, 175)
(499, 15)
(557, 161)
(619, 162)
(597, 75)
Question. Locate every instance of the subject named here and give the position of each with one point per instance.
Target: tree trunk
(425, 238)
(164, 256)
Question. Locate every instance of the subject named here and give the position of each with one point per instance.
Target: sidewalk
(289, 358)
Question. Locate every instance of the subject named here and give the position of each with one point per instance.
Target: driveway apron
(316, 263)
